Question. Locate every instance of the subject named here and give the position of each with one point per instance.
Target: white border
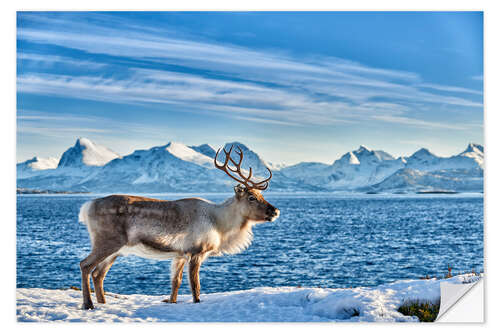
(8, 138)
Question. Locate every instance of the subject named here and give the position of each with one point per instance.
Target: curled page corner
(461, 302)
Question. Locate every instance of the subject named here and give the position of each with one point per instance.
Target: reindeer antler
(262, 185)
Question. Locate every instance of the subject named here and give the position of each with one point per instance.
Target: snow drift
(265, 304)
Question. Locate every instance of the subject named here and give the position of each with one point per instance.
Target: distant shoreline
(437, 192)
(34, 191)
(24, 191)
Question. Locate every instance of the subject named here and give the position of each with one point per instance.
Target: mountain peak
(250, 158)
(423, 152)
(362, 148)
(236, 144)
(34, 159)
(189, 154)
(86, 153)
(475, 153)
(83, 142)
(473, 147)
(175, 144)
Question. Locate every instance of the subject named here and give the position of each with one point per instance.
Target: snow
(359, 168)
(204, 149)
(424, 160)
(38, 163)
(264, 304)
(30, 167)
(86, 153)
(476, 153)
(353, 159)
(94, 154)
(277, 166)
(304, 170)
(250, 159)
(364, 169)
(188, 154)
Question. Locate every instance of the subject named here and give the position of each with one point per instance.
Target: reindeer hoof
(88, 306)
(167, 300)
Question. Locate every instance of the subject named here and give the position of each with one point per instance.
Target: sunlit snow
(264, 304)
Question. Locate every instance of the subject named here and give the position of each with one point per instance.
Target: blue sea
(320, 240)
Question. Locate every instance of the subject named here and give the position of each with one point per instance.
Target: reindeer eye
(251, 199)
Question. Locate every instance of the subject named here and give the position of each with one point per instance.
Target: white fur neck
(235, 229)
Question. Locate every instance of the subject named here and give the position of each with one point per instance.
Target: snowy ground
(265, 304)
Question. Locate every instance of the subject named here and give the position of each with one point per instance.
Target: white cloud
(418, 122)
(450, 89)
(47, 59)
(61, 125)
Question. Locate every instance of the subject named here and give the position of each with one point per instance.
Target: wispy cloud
(47, 59)
(256, 85)
(38, 116)
(185, 91)
(63, 125)
(451, 89)
(266, 121)
(418, 122)
(55, 131)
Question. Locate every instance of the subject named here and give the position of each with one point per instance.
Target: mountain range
(175, 167)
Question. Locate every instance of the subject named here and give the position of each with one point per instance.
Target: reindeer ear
(239, 190)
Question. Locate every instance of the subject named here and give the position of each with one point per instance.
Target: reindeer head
(248, 193)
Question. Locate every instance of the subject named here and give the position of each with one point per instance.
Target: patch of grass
(425, 311)
(447, 276)
(450, 275)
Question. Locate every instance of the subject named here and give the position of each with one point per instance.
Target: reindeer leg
(88, 264)
(194, 274)
(98, 275)
(176, 276)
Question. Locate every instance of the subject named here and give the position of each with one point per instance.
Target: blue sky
(292, 86)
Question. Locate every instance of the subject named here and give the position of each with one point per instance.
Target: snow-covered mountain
(424, 160)
(205, 149)
(30, 167)
(86, 153)
(305, 171)
(410, 180)
(425, 171)
(476, 153)
(250, 158)
(175, 167)
(172, 167)
(77, 163)
(362, 167)
(354, 169)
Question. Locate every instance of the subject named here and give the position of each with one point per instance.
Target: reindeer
(185, 230)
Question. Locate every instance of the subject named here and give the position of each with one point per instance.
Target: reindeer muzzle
(272, 213)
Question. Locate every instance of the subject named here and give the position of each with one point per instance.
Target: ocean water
(335, 241)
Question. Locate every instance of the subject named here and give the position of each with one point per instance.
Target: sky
(297, 86)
